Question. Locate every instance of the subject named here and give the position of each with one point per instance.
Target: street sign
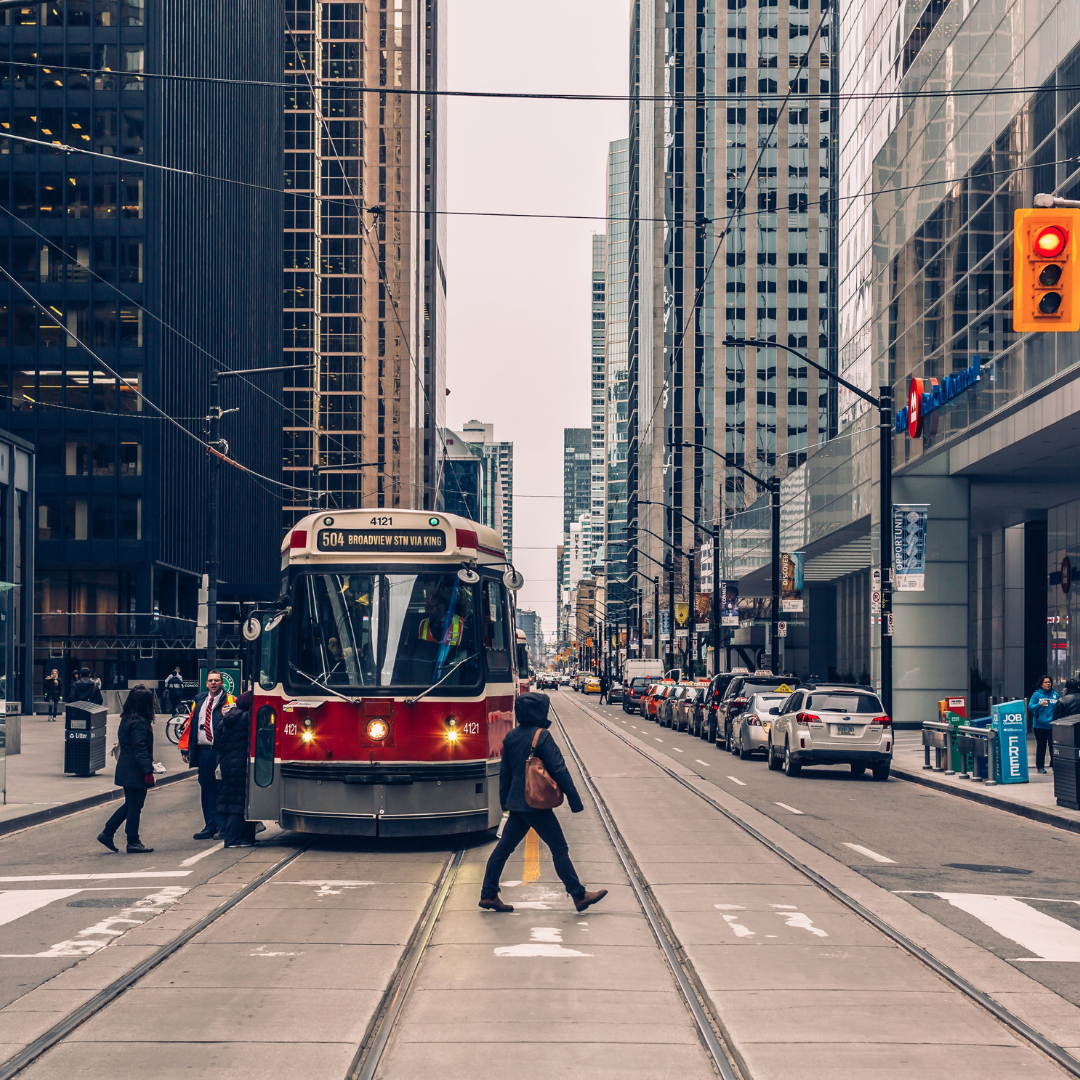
(889, 625)
(781, 629)
(875, 601)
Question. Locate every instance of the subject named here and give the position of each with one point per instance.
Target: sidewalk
(1034, 799)
(38, 789)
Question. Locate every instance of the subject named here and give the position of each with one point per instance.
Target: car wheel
(881, 772)
(791, 767)
(858, 770)
(772, 758)
(744, 754)
(732, 748)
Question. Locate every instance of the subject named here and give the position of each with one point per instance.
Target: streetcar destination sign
(414, 540)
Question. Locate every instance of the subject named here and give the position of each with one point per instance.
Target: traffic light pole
(883, 404)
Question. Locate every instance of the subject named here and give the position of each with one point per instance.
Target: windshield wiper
(465, 659)
(322, 686)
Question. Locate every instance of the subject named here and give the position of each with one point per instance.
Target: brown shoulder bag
(541, 792)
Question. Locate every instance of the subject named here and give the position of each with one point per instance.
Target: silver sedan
(751, 726)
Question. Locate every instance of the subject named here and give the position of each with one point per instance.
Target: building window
(48, 518)
(75, 519)
(131, 196)
(131, 459)
(130, 518)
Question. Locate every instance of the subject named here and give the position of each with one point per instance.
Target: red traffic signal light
(1046, 281)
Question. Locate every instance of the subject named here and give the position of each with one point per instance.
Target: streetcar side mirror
(513, 580)
(467, 575)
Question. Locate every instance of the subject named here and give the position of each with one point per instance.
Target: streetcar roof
(390, 535)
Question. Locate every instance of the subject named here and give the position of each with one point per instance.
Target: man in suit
(197, 748)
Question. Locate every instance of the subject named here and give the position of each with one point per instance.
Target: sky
(518, 292)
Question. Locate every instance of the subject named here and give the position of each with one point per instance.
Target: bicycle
(175, 725)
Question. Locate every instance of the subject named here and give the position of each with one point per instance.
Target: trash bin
(982, 764)
(1065, 759)
(84, 738)
(954, 755)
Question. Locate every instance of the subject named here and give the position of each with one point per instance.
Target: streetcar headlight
(307, 736)
(452, 733)
(377, 730)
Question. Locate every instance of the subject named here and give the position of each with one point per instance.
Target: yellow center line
(531, 871)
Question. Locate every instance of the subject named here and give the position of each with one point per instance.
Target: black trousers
(1042, 738)
(131, 811)
(550, 831)
(53, 705)
(208, 787)
(239, 830)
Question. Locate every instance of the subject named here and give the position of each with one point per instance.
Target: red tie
(207, 726)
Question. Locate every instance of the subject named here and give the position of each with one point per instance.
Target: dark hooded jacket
(136, 758)
(231, 736)
(531, 711)
(85, 689)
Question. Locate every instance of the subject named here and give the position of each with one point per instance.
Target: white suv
(831, 725)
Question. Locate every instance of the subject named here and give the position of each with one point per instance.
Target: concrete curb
(979, 795)
(52, 813)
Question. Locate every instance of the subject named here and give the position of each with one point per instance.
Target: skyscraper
(737, 242)
(498, 500)
(598, 393)
(129, 283)
(365, 286)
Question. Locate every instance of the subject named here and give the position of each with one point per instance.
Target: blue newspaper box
(1009, 720)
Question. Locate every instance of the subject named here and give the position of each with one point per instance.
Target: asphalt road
(904, 838)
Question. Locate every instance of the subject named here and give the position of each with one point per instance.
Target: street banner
(729, 604)
(909, 546)
(682, 613)
(791, 581)
(665, 623)
(635, 641)
(622, 639)
(703, 609)
(1009, 720)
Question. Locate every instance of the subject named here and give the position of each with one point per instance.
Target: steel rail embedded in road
(374, 1044)
(1051, 1049)
(60, 1030)
(685, 977)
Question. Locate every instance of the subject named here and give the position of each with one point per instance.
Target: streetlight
(883, 404)
(773, 486)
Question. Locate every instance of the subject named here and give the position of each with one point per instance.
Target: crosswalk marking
(1048, 938)
(15, 903)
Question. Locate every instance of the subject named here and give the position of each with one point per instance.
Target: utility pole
(656, 618)
(691, 617)
(774, 499)
(716, 596)
(670, 561)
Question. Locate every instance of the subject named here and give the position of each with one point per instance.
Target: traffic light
(1046, 280)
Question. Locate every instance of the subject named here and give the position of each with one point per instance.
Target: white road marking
(97, 877)
(15, 903)
(546, 941)
(868, 853)
(736, 780)
(1048, 938)
(791, 808)
(785, 907)
(700, 762)
(680, 751)
(801, 922)
(658, 739)
(202, 854)
(109, 929)
(327, 888)
(737, 927)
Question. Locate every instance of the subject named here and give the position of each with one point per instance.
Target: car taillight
(883, 720)
(807, 718)
(738, 702)
(753, 721)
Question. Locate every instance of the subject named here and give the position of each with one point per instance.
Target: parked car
(739, 692)
(699, 713)
(591, 685)
(657, 693)
(615, 692)
(751, 726)
(665, 714)
(713, 696)
(831, 725)
(634, 694)
(683, 709)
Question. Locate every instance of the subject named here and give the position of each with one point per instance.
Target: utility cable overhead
(517, 95)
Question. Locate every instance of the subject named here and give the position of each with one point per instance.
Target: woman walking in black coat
(134, 768)
(231, 742)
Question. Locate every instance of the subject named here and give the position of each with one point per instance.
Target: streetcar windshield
(362, 631)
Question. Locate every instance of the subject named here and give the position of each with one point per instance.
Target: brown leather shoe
(590, 898)
(494, 904)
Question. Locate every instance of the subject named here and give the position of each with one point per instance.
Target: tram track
(711, 1032)
(1056, 1053)
(108, 994)
(376, 1039)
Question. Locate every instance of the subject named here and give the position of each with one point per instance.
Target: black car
(634, 694)
(712, 702)
(615, 692)
(738, 693)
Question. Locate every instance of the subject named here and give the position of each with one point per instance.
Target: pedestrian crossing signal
(1046, 282)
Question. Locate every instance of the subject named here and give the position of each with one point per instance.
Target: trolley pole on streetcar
(218, 450)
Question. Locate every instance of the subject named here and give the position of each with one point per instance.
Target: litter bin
(1065, 759)
(84, 738)
(954, 756)
(982, 764)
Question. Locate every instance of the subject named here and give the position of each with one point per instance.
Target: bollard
(926, 756)
(991, 759)
(948, 771)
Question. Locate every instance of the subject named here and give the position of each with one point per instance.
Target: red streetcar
(386, 676)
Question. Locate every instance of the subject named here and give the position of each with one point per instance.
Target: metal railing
(971, 742)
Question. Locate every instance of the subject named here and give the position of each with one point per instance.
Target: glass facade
(120, 271)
